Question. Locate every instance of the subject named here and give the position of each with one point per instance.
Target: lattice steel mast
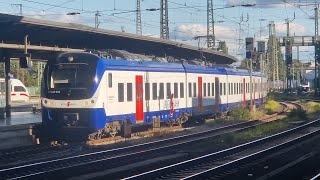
(316, 62)
(138, 19)
(164, 21)
(273, 55)
(210, 25)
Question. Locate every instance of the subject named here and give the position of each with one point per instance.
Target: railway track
(114, 157)
(216, 165)
(16, 156)
(315, 177)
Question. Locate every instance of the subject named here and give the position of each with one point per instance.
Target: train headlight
(86, 103)
(45, 101)
(70, 59)
(92, 101)
(52, 103)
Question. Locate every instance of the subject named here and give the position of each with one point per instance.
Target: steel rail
(133, 147)
(227, 152)
(89, 156)
(315, 177)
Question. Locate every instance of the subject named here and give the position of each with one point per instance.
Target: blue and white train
(81, 91)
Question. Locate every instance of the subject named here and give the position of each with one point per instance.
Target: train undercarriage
(124, 128)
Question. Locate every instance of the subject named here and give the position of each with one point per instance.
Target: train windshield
(70, 76)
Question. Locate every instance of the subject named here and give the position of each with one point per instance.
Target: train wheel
(171, 122)
(90, 137)
(112, 128)
(183, 118)
(98, 135)
(113, 134)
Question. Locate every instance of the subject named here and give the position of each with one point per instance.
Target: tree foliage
(29, 77)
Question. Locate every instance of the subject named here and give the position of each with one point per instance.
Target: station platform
(16, 131)
(20, 118)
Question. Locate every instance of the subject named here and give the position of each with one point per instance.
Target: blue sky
(187, 18)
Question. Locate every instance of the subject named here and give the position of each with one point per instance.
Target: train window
(161, 91)
(110, 80)
(190, 89)
(154, 91)
(220, 89)
(224, 89)
(194, 90)
(19, 89)
(234, 89)
(241, 88)
(120, 92)
(237, 88)
(204, 89)
(229, 89)
(129, 92)
(209, 89)
(168, 90)
(175, 90)
(181, 90)
(247, 87)
(147, 90)
(212, 89)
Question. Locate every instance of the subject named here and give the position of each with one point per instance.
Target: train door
(244, 90)
(139, 100)
(200, 107)
(217, 94)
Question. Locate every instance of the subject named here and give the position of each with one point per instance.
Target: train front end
(69, 96)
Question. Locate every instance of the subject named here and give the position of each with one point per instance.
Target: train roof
(234, 71)
(152, 66)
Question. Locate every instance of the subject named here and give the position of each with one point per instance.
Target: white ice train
(81, 91)
(19, 92)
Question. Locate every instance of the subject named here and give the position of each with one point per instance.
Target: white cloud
(297, 29)
(186, 32)
(151, 35)
(61, 18)
(270, 3)
(238, 3)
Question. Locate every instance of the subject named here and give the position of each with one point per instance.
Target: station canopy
(68, 35)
